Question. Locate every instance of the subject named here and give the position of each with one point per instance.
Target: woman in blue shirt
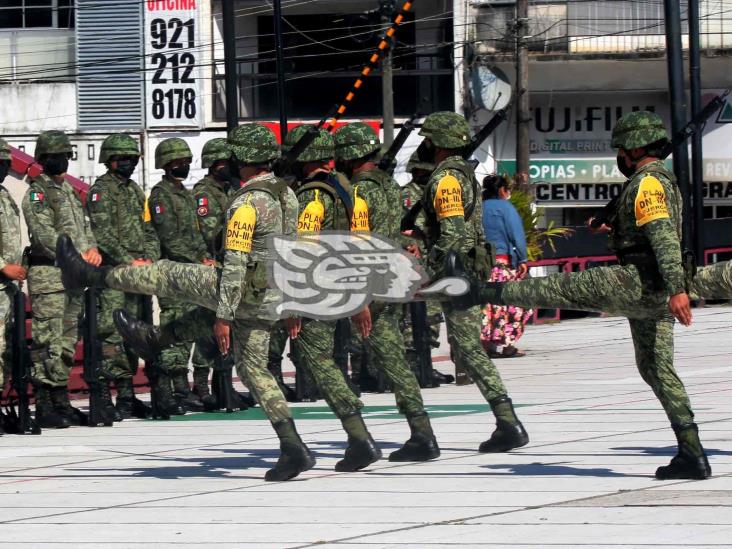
(504, 229)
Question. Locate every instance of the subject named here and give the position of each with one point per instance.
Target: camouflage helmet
(4, 150)
(52, 142)
(355, 141)
(446, 130)
(322, 147)
(416, 163)
(118, 144)
(171, 149)
(638, 129)
(213, 151)
(252, 144)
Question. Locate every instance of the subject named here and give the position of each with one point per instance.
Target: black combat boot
(294, 458)
(143, 339)
(691, 461)
(75, 272)
(106, 397)
(165, 404)
(362, 450)
(183, 394)
(128, 405)
(47, 416)
(62, 404)
(422, 445)
(509, 433)
(202, 391)
(479, 292)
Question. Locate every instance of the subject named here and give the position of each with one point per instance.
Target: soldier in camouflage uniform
(51, 207)
(174, 217)
(238, 293)
(10, 260)
(649, 287)
(122, 228)
(212, 196)
(452, 208)
(377, 209)
(411, 194)
(322, 208)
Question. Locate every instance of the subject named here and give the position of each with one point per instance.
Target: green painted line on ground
(323, 412)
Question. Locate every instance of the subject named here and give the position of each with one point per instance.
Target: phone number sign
(172, 60)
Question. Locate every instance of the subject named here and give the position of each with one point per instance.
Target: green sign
(600, 170)
(323, 412)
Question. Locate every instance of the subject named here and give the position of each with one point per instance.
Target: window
(27, 14)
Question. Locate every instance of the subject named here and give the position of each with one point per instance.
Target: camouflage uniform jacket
(10, 252)
(50, 210)
(383, 197)
(253, 215)
(448, 197)
(121, 221)
(173, 211)
(211, 201)
(647, 225)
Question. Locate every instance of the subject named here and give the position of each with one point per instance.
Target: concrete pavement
(586, 479)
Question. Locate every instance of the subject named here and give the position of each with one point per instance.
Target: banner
(172, 64)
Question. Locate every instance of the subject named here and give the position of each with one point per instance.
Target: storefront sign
(172, 61)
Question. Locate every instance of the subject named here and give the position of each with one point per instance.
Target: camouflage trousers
(624, 291)
(385, 346)
(198, 284)
(55, 333)
(463, 335)
(6, 316)
(314, 348)
(713, 282)
(117, 361)
(174, 359)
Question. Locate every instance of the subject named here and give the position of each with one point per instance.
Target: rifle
(283, 165)
(695, 125)
(222, 383)
(387, 164)
(20, 422)
(152, 368)
(422, 347)
(92, 362)
(409, 220)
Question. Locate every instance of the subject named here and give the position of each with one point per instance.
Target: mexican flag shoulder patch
(36, 197)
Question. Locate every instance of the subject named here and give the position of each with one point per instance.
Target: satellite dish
(491, 88)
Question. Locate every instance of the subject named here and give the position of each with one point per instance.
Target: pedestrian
(649, 287)
(121, 225)
(51, 207)
(237, 294)
(503, 325)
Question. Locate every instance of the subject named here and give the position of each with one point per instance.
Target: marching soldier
(649, 286)
(121, 225)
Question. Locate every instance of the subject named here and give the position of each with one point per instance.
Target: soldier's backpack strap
(343, 188)
(334, 194)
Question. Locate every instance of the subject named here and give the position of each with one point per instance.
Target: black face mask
(126, 167)
(623, 167)
(4, 169)
(224, 173)
(56, 165)
(426, 151)
(181, 172)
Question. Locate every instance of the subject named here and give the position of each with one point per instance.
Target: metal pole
(677, 100)
(387, 77)
(230, 66)
(697, 174)
(281, 86)
(523, 114)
